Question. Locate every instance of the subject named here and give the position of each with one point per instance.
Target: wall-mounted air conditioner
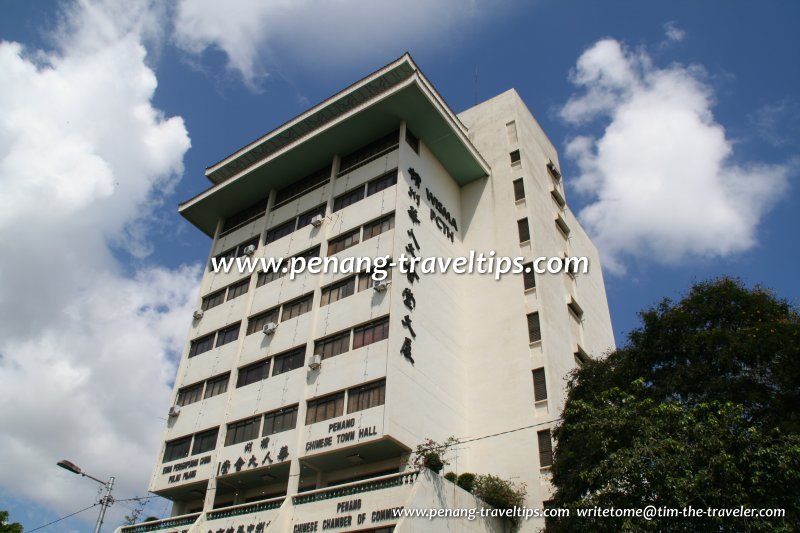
(269, 328)
(250, 249)
(316, 361)
(317, 221)
(197, 315)
(174, 411)
(380, 286)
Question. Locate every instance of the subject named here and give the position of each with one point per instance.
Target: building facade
(298, 402)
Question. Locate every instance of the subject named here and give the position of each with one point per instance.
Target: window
(229, 334)
(524, 230)
(177, 449)
(245, 215)
(545, 448)
(252, 373)
(514, 157)
(364, 155)
(289, 361)
(412, 140)
(333, 345)
(372, 332)
(345, 241)
(282, 230)
(269, 276)
(348, 198)
(240, 250)
(534, 330)
(218, 385)
(365, 279)
(189, 394)
(379, 226)
(381, 183)
(257, 322)
(297, 307)
(305, 219)
(280, 420)
(366, 396)
(213, 300)
(313, 181)
(575, 309)
(308, 254)
(551, 167)
(558, 199)
(325, 408)
(205, 441)
(539, 385)
(519, 189)
(337, 291)
(238, 288)
(561, 224)
(581, 357)
(203, 344)
(528, 276)
(242, 431)
(511, 130)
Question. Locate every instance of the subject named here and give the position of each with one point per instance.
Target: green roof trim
(364, 112)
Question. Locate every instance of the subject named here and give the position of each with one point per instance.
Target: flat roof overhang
(413, 100)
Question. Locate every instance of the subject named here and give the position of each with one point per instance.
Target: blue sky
(109, 115)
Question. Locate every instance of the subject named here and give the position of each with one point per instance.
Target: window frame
(330, 402)
(211, 388)
(327, 292)
(184, 392)
(207, 437)
(271, 417)
(171, 446)
(371, 332)
(355, 396)
(237, 430)
(252, 373)
(228, 334)
(298, 306)
(296, 358)
(332, 340)
(524, 230)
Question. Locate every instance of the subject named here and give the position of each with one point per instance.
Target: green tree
(8, 528)
(701, 408)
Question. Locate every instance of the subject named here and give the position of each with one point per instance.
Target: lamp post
(105, 501)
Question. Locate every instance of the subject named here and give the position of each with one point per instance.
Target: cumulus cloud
(662, 180)
(253, 33)
(87, 348)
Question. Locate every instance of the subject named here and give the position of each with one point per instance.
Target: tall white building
(297, 402)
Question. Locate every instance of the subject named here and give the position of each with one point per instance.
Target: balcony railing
(358, 487)
(246, 508)
(157, 525)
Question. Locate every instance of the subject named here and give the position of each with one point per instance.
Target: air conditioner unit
(317, 221)
(316, 361)
(250, 249)
(174, 411)
(198, 314)
(380, 286)
(269, 328)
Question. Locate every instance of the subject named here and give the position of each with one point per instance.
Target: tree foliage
(5, 527)
(701, 408)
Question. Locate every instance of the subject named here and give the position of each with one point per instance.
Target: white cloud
(661, 179)
(255, 33)
(673, 33)
(87, 350)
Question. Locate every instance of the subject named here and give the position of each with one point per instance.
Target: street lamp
(105, 501)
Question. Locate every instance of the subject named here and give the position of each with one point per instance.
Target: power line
(508, 431)
(63, 518)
